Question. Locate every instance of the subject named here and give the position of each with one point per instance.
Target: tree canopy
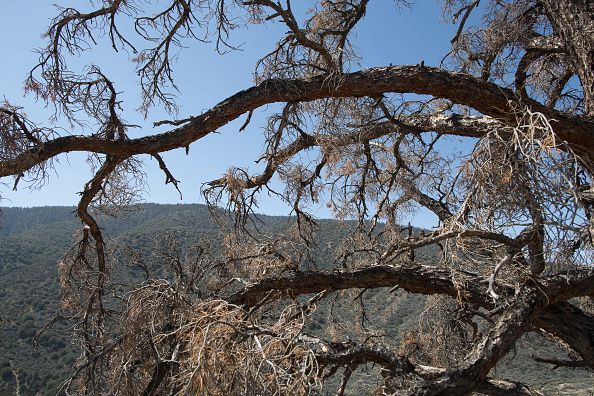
(512, 252)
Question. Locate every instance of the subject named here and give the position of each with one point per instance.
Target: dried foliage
(513, 238)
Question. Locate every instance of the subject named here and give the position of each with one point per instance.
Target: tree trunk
(573, 21)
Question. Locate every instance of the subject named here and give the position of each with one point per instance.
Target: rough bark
(572, 325)
(551, 313)
(573, 21)
(490, 99)
(510, 326)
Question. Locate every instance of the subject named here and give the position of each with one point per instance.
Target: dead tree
(516, 220)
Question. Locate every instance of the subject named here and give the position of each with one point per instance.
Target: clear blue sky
(388, 34)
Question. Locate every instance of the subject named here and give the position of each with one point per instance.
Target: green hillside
(33, 240)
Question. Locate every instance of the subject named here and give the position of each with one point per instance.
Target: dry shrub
(208, 348)
(226, 354)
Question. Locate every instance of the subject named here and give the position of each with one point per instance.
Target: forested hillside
(33, 240)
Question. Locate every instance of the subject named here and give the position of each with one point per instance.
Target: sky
(388, 35)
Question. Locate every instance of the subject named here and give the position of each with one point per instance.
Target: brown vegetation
(516, 222)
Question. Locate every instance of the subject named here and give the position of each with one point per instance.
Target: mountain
(33, 240)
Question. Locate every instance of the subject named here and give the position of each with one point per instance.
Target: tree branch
(490, 99)
(572, 325)
(422, 279)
